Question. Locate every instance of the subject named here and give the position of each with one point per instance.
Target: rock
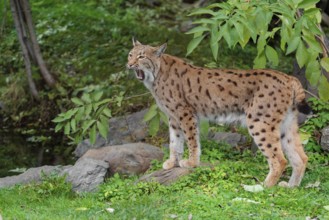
(31, 175)
(122, 130)
(166, 177)
(301, 118)
(233, 139)
(325, 139)
(126, 159)
(86, 174)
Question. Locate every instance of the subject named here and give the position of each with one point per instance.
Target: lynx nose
(131, 66)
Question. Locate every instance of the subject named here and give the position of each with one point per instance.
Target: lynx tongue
(140, 74)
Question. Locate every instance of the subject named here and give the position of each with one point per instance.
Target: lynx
(266, 101)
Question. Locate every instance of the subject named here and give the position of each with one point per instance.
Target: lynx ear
(160, 50)
(136, 42)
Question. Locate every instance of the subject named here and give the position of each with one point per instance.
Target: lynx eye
(141, 57)
(130, 55)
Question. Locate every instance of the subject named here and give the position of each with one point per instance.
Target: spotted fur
(266, 101)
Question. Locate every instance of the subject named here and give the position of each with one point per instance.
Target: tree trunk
(31, 50)
(20, 34)
(35, 46)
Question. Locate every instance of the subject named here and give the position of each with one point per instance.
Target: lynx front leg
(189, 125)
(176, 145)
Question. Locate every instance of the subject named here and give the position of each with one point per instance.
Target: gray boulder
(325, 139)
(122, 130)
(127, 159)
(233, 139)
(86, 174)
(31, 175)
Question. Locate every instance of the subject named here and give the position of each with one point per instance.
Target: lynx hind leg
(176, 145)
(267, 138)
(293, 149)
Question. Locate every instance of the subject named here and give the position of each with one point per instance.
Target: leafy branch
(90, 115)
(297, 24)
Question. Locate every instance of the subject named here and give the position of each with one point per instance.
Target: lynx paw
(188, 163)
(168, 164)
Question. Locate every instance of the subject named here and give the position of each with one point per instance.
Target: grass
(207, 193)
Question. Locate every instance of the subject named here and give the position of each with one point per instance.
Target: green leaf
(284, 37)
(272, 55)
(313, 72)
(152, 112)
(240, 29)
(59, 119)
(77, 101)
(97, 96)
(205, 21)
(104, 101)
(202, 11)
(86, 98)
(67, 128)
(198, 29)
(307, 3)
(87, 125)
(312, 42)
(325, 63)
(58, 127)
(260, 61)
(164, 118)
(248, 24)
(226, 34)
(103, 129)
(214, 49)
(80, 113)
(89, 108)
(293, 44)
(234, 37)
(104, 120)
(261, 43)
(92, 134)
(107, 112)
(301, 55)
(261, 20)
(73, 125)
(193, 44)
(323, 88)
(313, 27)
(154, 125)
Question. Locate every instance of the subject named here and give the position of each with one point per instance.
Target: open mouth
(140, 74)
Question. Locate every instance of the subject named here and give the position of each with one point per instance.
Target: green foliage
(240, 22)
(91, 115)
(154, 116)
(85, 45)
(209, 192)
(51, 185)
(310, 129)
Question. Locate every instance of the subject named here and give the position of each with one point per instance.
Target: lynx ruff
(266, 101)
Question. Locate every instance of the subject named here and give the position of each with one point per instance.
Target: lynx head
(145, 61)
